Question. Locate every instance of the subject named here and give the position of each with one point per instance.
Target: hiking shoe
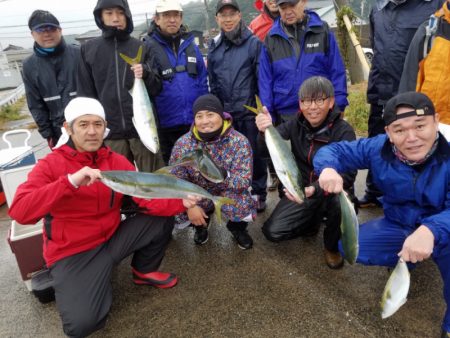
(369, 202)
(157, 279)
(334, 260)
(201, 235)
(243, 239)
(273, 182)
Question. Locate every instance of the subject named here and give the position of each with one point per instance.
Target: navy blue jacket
(232, 70)
(281, 73)
(392, 29)
(410, 197)
(174, 102)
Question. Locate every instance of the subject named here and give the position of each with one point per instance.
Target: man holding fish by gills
(411, 166)
(83, 233)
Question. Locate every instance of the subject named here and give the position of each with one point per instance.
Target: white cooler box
(25, 240)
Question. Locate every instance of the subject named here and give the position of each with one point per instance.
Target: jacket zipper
(118, 83)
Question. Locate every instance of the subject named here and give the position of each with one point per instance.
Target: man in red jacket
(84, 236)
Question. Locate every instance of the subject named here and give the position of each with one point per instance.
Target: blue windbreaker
(174, 103)
(410, 197)
(281, 73)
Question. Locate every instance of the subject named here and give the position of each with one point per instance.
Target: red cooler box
(26, 244)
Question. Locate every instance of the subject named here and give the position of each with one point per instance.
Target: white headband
(78, 107)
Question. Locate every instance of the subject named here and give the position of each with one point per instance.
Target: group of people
(290, 58)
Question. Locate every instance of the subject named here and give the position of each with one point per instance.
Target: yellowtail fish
(349, 228)
(143, 115)
(282, 157)
(396, 290)
(200, 160)
(149, 186)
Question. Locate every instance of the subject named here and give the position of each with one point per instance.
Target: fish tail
(218, 202)
(132, 61)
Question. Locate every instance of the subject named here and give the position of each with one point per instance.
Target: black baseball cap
(40, 18)
(292, 2)
(420, 105)
(222, 3)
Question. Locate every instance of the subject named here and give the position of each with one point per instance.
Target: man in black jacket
(233, 57)
(392, 27)
(49, 75)
(314, 127)
(103, 75)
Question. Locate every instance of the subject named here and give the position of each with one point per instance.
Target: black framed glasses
(318, 101)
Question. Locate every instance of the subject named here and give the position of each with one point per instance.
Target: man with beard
(232, 68)
(183, 72)
(103, 75)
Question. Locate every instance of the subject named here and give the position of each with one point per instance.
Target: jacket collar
(441, 154)
(314, 24)
(85, 158)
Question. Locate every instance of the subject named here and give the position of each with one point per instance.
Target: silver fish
(200, 160)
(396, 290)
(282, 158)
(349, 229)
(149, 186)
(143, 115)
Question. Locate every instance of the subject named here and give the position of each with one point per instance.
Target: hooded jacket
(281, 71)
(230, 151)
(50, 83)
(174, 102)
(77, 220)
(262, 24)
(232, 69)
(104, 75)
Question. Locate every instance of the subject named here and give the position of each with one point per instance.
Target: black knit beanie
(208, 102)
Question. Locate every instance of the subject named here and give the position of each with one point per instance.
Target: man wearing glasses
(299, 46)
(232, 69)
(49, 75)
(316, 125)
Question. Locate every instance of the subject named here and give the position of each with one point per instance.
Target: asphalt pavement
(273, 290)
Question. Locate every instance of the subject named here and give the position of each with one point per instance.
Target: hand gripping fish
(396, 290)
(282, 157)
(148, 185)
(349, 229)
(200, 160)
(143, 116)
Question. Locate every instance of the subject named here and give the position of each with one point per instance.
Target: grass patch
(12, 112)
(357, 113)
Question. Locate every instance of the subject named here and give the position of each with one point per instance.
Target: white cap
(168, 5)
(78, 107)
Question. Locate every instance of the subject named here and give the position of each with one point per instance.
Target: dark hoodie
(104, 75)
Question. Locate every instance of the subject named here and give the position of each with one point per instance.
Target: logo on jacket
(312, 45)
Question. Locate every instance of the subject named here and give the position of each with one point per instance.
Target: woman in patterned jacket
(212, 131)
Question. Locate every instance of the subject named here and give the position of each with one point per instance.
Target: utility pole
(206, 15)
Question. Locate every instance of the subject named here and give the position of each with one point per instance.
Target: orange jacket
(261, 25)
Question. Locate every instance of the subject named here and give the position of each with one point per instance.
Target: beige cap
(168, 5)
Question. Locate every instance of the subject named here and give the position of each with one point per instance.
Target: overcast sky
(75, 17)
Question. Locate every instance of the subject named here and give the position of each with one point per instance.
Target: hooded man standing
(232, 68)
(183, 72)
(102, 74)
(49, 75)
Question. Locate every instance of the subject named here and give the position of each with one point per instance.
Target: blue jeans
(380, 240)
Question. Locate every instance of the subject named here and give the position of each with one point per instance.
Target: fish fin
(165, 170)
(132, 61)
(252, 109)
(259, 105)
(218, 202)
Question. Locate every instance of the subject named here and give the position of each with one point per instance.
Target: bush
(357, 113)
(12, 112)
